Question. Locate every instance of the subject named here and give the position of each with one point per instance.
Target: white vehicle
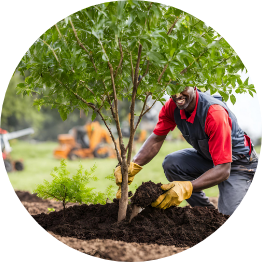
(6, 148)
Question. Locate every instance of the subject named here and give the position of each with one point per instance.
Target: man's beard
(182, 103)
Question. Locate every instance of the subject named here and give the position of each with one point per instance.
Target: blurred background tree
(18, 113)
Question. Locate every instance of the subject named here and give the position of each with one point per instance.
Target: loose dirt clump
(146, 194)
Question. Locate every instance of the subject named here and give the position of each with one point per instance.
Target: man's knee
(169, 163)
(170, 166)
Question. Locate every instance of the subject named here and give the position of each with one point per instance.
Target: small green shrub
(73, 189)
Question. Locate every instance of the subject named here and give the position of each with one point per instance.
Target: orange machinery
(88, 141)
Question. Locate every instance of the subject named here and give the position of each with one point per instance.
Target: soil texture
(177, 226)
(106, 249)
(146, 194)
(86, 228)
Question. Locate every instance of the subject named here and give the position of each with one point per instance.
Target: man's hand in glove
(177, 191)
(133, 169)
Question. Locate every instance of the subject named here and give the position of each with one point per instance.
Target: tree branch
(116, 118)
(157, 98)
(110, 103)
(140, 116)
(137, 70)
(61, 36)
(161, 75)
(103, 49)
(99, 112)
(224, 60)
(172, 27)
(51, 50)
(81, 45)
(51, 195)
(87, 88)
(132, 68)
(147, 69)
(121, 59)
(103, 100)
(132, 108)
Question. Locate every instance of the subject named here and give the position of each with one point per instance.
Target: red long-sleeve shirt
(218, 127)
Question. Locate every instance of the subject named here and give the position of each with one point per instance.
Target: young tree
(135, 49)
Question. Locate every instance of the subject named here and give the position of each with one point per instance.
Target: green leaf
(104, 57)
(172, 51)
(130, 2)
(66, 20)
(202, 40)
(162, 102)
(233, 99)
(214, 44)
(93, 115)
(246, 81)
(21, 85)
(233, 80)
(62, 113)
(238, 91)
(120, 8)
(239, 81)
(224, 95)
(86, 112)
(155, 56)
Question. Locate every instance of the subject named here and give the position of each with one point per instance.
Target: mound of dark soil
(146, 194)
(174, 226)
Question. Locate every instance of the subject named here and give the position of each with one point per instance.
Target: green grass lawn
(39, 161)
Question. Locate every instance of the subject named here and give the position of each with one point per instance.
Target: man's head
(186, 99)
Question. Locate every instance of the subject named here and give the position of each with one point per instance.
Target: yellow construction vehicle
(88, 141)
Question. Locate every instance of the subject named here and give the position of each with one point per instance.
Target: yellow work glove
(133, 169)
(177, 191)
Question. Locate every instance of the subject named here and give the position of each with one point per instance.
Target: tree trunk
(123, 202)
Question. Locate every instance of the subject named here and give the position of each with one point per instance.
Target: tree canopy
(74, 59)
